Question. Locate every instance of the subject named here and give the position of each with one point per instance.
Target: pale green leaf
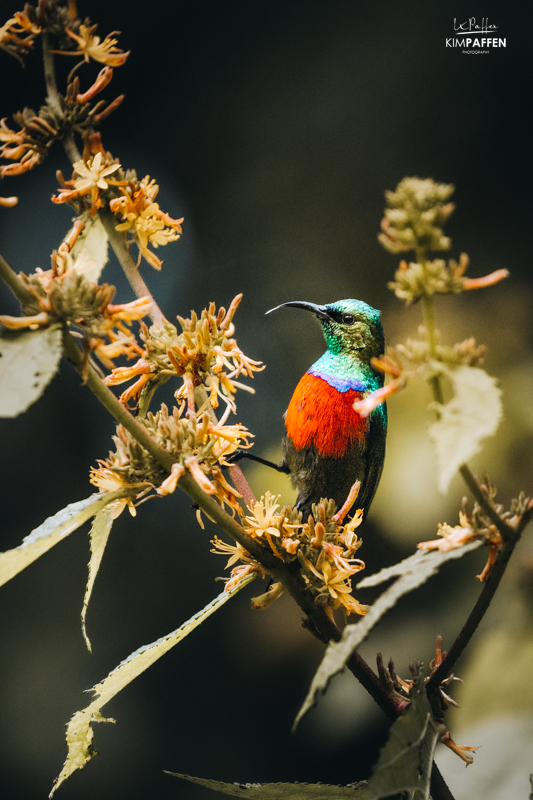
(53, 530)
(282, 791)
(90, 250)
(28, 362)
(410, 573)
(472, 414)
(79, 730)
(404, 764)
(99, 535)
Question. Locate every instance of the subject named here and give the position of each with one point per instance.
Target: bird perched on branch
(328, 445)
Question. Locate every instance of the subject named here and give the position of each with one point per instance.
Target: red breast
(320, 415)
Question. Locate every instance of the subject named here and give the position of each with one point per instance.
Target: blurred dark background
(274, 129)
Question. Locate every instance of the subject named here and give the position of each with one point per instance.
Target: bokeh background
(274, 129)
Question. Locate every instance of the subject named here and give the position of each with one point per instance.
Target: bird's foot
(235, 457)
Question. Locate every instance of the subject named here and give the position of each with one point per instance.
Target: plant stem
(429, 323)
(71, 148)
(510, 536)
(488, 508)
(476, 615)
(50, 77)
(128, 264)
(11, 279)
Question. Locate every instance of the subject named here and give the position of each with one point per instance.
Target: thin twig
(128, 264)
(444, 669)
(484, 502)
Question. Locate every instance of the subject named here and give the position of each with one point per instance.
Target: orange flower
(144, 220)
(90, 46)
(22, 147)
(92, 181)
(16, 36)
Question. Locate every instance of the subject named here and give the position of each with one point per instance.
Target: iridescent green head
(349, 326)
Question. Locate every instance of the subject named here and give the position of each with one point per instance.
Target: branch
(128, 264)
(481, 497)
(476, 615)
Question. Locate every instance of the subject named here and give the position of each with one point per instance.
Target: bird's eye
(348, 319)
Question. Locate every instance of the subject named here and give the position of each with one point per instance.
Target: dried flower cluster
(415, 215)
(323, 547)
(199, 444)
(142, 218)
(28, 146)
(17, 35)
(414, 358)
(130, 199)
(204, 354)
(59, 21)
(64, 294)
(414, 220)
(476, 525)
(402, 690)
(416, 280)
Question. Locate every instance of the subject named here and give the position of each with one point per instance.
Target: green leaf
(282, 791)
(410, 573)
(99, 535)
(79, 730)
(472, 414)
(28, 362)
(90, 250)
(404, 764)
(53, 530)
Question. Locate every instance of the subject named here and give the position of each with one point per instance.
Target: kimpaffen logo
(474, 38)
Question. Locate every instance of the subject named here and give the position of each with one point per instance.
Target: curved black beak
(319, 311)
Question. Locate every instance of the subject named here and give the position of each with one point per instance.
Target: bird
(328, 446)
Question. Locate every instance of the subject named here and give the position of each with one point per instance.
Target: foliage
(191, 445)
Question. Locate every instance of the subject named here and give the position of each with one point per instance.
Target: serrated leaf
(404, 764)
(99, 535)
(28, 362)
(472, 414)
(90, 250)
(282, 791)
(79, 730)
(53, 530)
(410, 573)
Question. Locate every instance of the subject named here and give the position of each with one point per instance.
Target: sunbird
(328, 446)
